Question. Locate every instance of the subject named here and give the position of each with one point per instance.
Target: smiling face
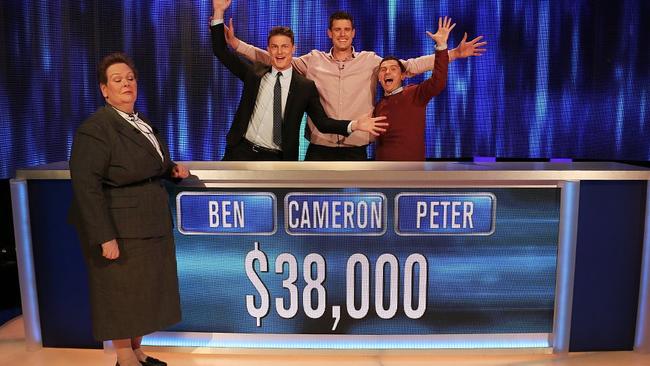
(341, 33)
(390, 75)
(281, 51)
(121, 88)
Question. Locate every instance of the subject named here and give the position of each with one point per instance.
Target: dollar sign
(263, 309)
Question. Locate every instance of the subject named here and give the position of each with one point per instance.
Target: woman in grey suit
(120, 210)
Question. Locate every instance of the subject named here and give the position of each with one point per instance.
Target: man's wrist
(453, 54)
(352, 126)
(218, 14)
(216, 21)
(441, 46)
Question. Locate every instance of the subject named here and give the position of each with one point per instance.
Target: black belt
(258, 148)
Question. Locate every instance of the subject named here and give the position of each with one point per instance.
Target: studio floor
(13, 352)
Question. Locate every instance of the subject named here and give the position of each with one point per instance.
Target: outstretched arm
(229, 32)
(251, 52)
(325, 124)
(227, 58)
(466, 49)
(255, 54)
(418, 65)
(438, 80)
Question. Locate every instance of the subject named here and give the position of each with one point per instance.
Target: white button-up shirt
(260, 128)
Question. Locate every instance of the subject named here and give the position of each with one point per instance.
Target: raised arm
(438, 80)
(418, 65)
(227, 58)
(251, 52)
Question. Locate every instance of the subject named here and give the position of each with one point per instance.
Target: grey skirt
(137, 293)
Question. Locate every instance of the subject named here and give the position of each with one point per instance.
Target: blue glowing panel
(445, 214)
(224, 213)
(390, 284)
(316, 213)
(566, 79)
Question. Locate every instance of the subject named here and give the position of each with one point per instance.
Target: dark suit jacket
(303, 97)
(116, 179)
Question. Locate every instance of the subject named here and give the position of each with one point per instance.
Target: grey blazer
(116, 179)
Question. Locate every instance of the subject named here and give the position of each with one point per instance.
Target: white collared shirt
(144, 129)
(396, 91)
(260, 128)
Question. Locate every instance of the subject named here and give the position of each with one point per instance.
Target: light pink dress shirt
(347, 88)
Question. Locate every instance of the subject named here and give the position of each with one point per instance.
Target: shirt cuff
(350, 126)
(214, 22)
(441, 48)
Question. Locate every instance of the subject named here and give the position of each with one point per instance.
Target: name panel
(223, 213)
(335, 214)
(445, 213)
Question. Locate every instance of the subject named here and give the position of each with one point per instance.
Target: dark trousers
(247, 151)
(326, 153)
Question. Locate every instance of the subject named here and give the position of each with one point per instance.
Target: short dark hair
(283, 31)
(341, 15)
(399, 62)
(112, 59)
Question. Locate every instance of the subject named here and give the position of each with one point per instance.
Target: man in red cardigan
(405, 106)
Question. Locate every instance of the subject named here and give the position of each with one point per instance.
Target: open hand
(444, 28)
(371, 124)
(471, 48)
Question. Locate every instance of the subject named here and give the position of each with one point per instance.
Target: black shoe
(150, 361)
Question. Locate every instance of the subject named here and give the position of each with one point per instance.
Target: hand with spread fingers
(441, 36)
(466, 49)
(371, 124)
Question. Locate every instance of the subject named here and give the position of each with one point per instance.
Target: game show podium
(371, 256)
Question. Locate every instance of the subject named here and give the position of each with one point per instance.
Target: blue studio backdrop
(559, 79)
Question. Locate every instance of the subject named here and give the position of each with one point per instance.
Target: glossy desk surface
(382, 173)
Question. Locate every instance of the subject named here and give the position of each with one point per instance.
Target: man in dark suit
(267, 122)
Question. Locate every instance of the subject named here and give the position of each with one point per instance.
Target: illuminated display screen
(560, 79)
(491, 269)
